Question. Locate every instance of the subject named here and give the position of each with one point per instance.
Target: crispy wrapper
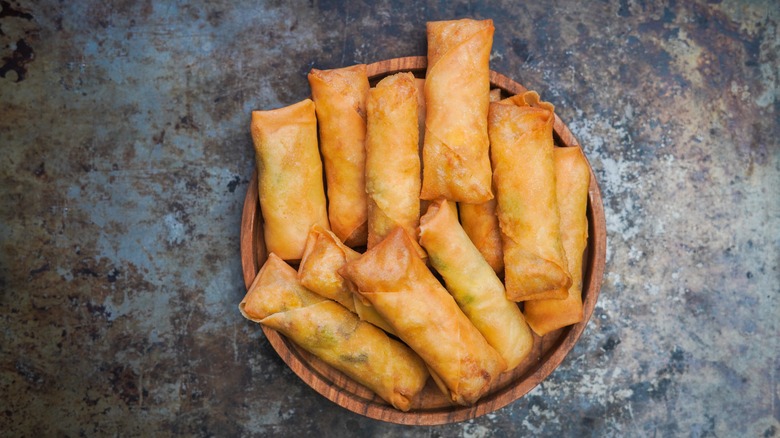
(572, 181)
(334, 334)
(473, 283)
(456, 161)
(340, 98)
(289, 170)
(481, 223)
(324, 255)
(367, 313)
(401, 288)
(392, 160)
(521, 140)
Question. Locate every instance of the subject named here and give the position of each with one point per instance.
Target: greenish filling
(466, 299)
(437, 263)
(324, 338)
(354, 358)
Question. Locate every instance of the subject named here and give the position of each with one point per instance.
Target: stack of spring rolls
(446, 206)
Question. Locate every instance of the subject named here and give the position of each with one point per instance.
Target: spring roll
(367, 313)
(473, 283)
(334, 334)
(456, 162)
(324, 255)
(340, 98)
(521, 140)
(401, 288)
(481, 223)
(572, 179)
(392, 160)
(292, 196)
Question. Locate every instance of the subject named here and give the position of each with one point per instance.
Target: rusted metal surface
(126, 154)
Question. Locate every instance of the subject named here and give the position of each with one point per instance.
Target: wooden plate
(431, 407)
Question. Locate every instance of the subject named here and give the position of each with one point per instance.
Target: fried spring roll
(401, 288)
(292, 196)
(474, 284)
(368, 314)
(334, 334)
(481, 223)
(392, 160)
(324, 255)
(521, 140)
(340, 98)
(572, 178)
(456, 162)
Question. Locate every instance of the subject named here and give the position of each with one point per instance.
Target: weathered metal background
(125, 155)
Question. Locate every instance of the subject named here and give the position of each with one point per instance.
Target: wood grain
(431, 407)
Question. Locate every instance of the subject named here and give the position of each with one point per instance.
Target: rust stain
(8, 11)
(22, 55)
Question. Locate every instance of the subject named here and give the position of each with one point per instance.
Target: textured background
(125, 157)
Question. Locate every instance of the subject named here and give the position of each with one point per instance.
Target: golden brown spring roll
(324, 255)
(334, 334)
(340, 97)
(456, 162)
(521, 144)
(392, 160)
(292, 196)
(474, 284)
(481, 223)
(401, 288)
(367, 313)
(572, 179)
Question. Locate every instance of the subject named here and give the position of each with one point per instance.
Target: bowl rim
(253, 253)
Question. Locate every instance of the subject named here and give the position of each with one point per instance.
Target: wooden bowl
(431, 407)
